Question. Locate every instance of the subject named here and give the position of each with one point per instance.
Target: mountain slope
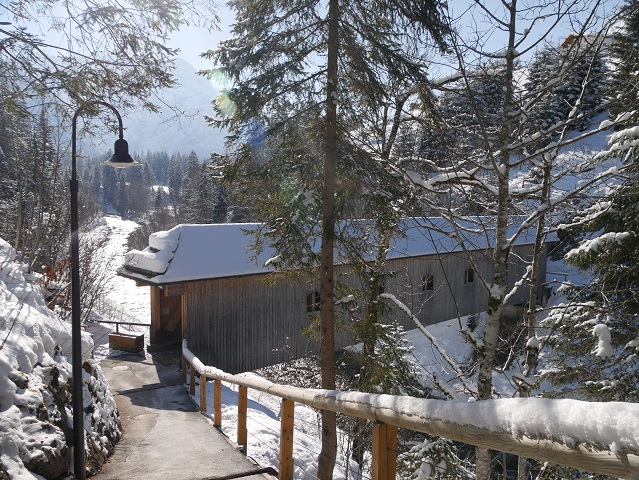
(169, 130)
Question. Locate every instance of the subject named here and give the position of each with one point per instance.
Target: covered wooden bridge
(207, 288)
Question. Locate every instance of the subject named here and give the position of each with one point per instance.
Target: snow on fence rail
(591, 436)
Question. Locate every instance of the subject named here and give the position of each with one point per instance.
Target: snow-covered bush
(434, 459)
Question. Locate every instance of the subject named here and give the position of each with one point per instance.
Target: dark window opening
(312, 302)
(470, 276)
(428, 282)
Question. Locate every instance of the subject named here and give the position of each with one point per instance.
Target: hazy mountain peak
(180, 124)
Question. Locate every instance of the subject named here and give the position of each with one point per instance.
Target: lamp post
(120, 159)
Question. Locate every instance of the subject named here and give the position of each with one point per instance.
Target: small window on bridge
(429, 282)
(470, 275)
(312, 302)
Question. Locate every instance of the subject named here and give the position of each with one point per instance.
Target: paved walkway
(165, 437)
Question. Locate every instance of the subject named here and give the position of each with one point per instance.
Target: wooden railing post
(384, 464)
(217, 403)
(286, 439)
(183, 370)
(191, 380)
(242, 404)
(203, 393)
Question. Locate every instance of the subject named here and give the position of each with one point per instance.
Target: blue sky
(192, 41)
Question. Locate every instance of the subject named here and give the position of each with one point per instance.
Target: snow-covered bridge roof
(199, 252)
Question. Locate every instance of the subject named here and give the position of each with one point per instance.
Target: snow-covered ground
(124, 302)
(35, 393)
(122, 291)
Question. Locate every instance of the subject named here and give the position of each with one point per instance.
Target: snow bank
(35, 391)
(30, 332)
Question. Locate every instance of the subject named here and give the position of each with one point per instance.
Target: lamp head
(121, 157)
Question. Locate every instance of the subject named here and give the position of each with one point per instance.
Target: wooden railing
(446, 419)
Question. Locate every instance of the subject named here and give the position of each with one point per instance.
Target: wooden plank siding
(242, 323)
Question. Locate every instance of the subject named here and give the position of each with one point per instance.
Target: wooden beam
(242, 404)
(156, 321)
(203, 393)
(173, 290)
(184, 315)
(384, 464)
(192, 380)
(183, 370)
(217, 404)
(287, 420)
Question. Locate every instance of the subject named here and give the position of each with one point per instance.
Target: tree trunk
(496, 296)
(532, 350)
(41, 179)
(327, 330)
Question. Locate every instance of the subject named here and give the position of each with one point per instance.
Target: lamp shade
(121, 157)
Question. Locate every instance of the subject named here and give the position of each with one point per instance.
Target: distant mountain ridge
(163, 131)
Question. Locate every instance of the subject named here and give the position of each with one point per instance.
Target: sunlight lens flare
(218, 78)
(225, 105)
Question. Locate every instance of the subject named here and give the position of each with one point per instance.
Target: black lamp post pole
(122, 154)
(79, 464)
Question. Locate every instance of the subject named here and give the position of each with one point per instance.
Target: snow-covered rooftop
(200, 252)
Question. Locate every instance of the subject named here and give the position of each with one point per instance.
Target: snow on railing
(600, 437)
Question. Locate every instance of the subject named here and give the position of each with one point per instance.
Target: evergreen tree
(174, 180)
(161, 214)
(96, 182)
(596, 338)
(282, 110)
(33, 207)
(137, 181)
(219, 204)
(191, 210)
(565, 78)
(149, 175)
(159, 163)
(109, 187)
(122, 204)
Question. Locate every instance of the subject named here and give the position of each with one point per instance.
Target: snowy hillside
(35, 384)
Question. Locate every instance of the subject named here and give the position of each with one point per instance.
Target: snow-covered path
(135, 301)
(124, 302)
(157, 415)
